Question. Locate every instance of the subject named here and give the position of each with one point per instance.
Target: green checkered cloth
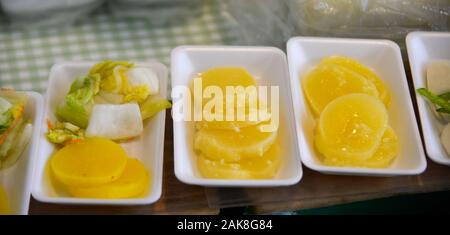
(27, 56)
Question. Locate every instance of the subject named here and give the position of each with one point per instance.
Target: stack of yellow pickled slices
(350, 102)
(98, 168)
(236, 149)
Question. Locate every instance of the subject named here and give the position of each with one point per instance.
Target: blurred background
(34, 34)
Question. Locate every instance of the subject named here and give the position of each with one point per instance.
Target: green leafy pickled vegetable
(11, 109)
(6, 119)
(64, 132)
(76, 105)
(15, 131)
(445, 96)
(19, 145)
(439, 100)
(152, 105)
(110, 74)
(442, 110)
(10, 139)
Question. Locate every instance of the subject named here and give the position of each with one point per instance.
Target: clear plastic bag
(260, 22)
(272, 22)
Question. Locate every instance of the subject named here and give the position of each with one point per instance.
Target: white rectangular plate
(269, 67)
(148, 147)
(384, 58)
(424, 47)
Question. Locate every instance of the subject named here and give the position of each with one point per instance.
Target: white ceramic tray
(424, 47)
(384, 57)
(17, 180)
(269, 66)
(148, 148)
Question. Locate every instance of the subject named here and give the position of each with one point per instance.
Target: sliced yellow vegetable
(90, 162)
(264, 167)
(133, 181)
(4, 202)
(383, 157)
(363, 70)
(351, 126)
(232, 146)
(328, 82)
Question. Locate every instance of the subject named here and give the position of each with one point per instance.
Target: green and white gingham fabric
(27, 56)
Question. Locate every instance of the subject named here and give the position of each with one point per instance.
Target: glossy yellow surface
(264, 167)
(350, 103)
(133, 181)
(328, 82)
(223, 77)
(382, 158)
(91, 162)
(351, 125)
(235, 149)
(4, 202)
(233, 146)
(363, 70)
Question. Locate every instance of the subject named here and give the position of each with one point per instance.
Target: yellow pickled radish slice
(4, 202)
(328, 82)
(351, 126)
(383, 157)
(232, 146)
(227, 125)
(261, 114)
(263, 167)
(386, 153)
(91, 162)
(363, 70)
(223, 77)
(227, 76)
(133, 181)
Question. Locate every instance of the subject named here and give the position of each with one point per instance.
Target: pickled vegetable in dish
(115, 121)
(250, 168)
(15, 129)
(109, 86)
(234, 149)
(366, 72)
(328, 82)
(223, 77)
(98, 168)
(352, 125)
(110, 103)
(133, 181)
(350, 101)
(90, 162)
(232, 146)
(438, 94)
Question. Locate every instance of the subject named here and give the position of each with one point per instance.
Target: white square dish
(148, 147)
(269, 67)
(17, 180)
(384, 57)
(424, 47)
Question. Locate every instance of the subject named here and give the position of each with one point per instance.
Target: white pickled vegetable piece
(115, 121)
(4, 105)
(445, 138)
(139, 76)
(438, 77)
(104, 97)
(18, 147)
(438, 82)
